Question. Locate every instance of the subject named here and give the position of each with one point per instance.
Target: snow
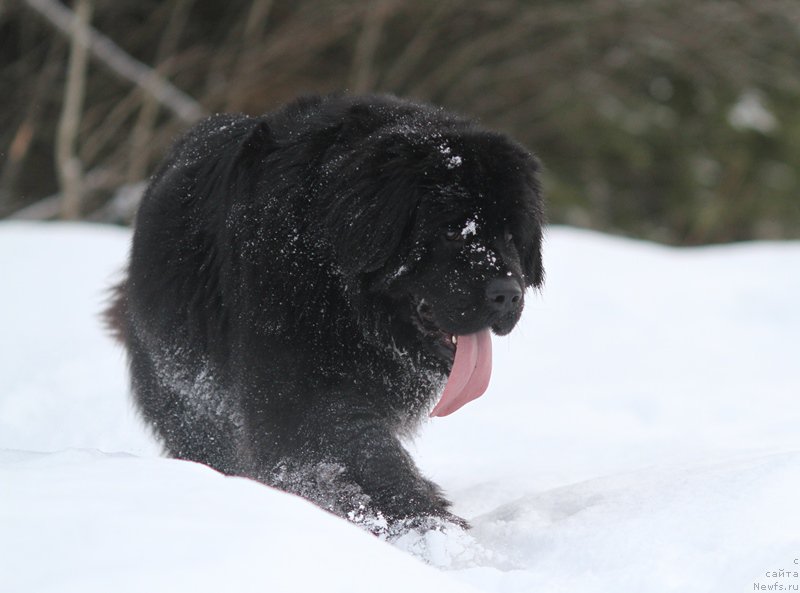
(640, 434)
(470, 228)
(451, 160)
(750, 113)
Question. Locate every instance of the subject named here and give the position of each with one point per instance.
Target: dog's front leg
(362, 470)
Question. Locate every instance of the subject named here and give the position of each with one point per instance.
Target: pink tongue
(470, 374)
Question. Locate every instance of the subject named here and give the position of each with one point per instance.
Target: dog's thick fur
(295, 280)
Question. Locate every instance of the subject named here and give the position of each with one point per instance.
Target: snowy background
(641, 433)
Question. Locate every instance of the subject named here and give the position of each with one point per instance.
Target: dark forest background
(673, 120)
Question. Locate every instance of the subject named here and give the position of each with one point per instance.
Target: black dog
(304, 284)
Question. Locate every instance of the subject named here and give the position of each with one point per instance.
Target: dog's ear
(532, 266)
(255, 144)
(238, 144)
(368, 219)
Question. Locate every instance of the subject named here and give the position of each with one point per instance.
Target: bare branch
(49, 207)
(22, 140)
(45, 209)
(122, 206)
(103, 127)
(122, 64)
(402, 67)
(361, 73)
(143, 129)
(256, 20)
(254, 24)
(67, 161)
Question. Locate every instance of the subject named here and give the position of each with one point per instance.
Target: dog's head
(448, 226)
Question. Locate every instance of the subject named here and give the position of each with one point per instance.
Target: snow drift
(640, 434)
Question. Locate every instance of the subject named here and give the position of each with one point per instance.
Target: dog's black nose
(503, 294)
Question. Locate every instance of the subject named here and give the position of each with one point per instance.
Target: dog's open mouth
(442, 342)
(471, 355)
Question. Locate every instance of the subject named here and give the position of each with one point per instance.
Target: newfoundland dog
(305, 285)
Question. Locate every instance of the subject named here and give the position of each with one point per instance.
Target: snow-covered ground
(641, 433)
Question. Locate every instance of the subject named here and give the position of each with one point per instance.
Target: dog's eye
(454, 235)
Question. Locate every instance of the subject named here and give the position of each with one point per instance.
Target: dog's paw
(390, 528)
(441, 522)
(441, 541)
